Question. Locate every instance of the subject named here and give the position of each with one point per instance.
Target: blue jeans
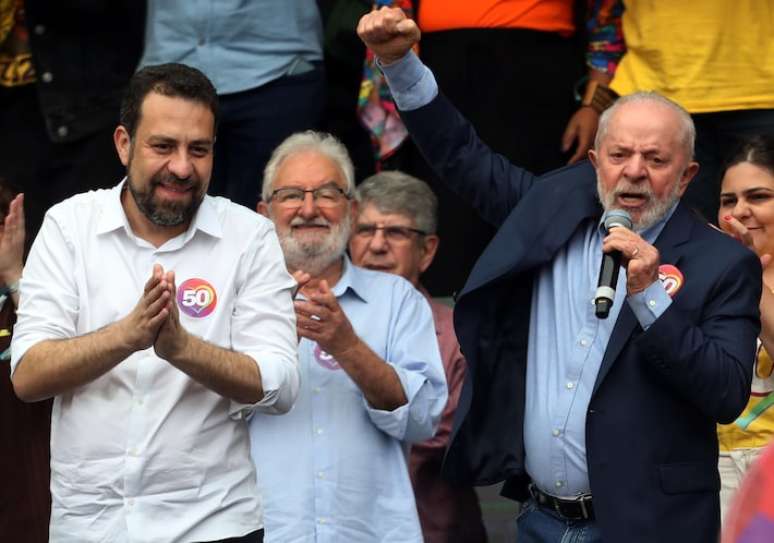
(540, 525)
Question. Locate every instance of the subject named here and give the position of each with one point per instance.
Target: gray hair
(320, 142)
(689, 130)
(403, 194)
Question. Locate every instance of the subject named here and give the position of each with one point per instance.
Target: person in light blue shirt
(264, 58)
(335, 467)
(604, 429)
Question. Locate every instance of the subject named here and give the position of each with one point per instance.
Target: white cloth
(334, 469)
(144, 453)
(733, 466)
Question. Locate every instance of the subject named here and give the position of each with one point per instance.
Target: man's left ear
(688, 174)
(429, 248)
(262, 208)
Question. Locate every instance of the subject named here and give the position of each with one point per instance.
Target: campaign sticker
(671, 278)
(196, 298)
(324, 359)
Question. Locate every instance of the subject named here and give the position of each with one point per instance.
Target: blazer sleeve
(471, 169)
(711, 363)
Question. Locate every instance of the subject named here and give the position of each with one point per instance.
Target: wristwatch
(598, 97)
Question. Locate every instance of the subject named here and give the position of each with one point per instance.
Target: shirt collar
(114, 217)
(352, 280)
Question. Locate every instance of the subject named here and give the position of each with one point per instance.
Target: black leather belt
(579, 508)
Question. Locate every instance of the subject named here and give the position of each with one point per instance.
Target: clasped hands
(155, 320)
(320, 318)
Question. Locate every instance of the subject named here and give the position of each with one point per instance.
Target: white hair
(320, 142)
(689, 130)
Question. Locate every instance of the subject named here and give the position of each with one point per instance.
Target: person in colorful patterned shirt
(747, 213)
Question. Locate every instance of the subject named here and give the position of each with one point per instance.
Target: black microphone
(611, 262)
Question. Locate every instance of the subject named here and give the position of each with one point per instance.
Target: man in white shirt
(372, 380)
(158, 317)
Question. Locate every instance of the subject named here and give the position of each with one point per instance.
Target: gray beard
(655, 210)
(315, 256)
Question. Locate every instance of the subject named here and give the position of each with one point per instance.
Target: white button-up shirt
(144, 452)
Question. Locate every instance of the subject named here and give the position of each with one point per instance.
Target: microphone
(611, 262)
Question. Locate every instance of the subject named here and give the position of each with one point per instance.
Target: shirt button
(139, 401)
(556, 433)
(583, 342)
(132, 452)
(40, 30)
(62, 131)
(47, 77)
(558, 484)
(319, 431)
(130, 502)
(570, 385)
(320, 475)
(316, 390)
(321, 521)
(652, 303)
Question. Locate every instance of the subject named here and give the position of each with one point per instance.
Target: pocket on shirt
(689, 477)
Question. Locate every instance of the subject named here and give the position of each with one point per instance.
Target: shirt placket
(323, 477)
(136, 427)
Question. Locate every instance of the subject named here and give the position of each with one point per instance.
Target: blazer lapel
(676, 232)
(534, 232)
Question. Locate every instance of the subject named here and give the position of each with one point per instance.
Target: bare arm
(53, 367)
(321, 319)
(582, 126)
(12, 246)
(231, 374)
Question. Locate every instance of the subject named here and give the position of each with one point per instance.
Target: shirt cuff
(280, 382)
(412, 84)
(398, 423)
(649, 304)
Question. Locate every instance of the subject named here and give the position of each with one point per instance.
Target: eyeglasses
(326, 196)
(396, 234)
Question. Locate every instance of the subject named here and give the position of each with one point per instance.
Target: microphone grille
(617, 217)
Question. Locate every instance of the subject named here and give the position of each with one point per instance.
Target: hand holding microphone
(624, 247)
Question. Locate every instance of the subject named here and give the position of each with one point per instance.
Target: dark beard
(167, 213)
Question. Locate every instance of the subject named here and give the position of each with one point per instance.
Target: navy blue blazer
(651, 424)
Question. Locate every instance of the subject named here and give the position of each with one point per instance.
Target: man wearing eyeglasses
(371, 375)
(395, 232)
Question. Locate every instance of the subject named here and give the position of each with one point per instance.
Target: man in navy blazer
(605, 429)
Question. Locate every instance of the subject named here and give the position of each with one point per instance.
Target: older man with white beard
(335, 468)
(605, 428)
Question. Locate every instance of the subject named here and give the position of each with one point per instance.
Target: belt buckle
(582, 500)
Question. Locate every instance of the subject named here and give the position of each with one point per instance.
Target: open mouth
(632, 199)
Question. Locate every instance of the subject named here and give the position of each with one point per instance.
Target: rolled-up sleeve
(413, 353)
(48, 293)
(264, 326)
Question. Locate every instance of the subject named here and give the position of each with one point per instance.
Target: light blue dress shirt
(566, 340)
(334, 469)
(238, 44)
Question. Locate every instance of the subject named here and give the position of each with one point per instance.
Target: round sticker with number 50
(196, 298)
